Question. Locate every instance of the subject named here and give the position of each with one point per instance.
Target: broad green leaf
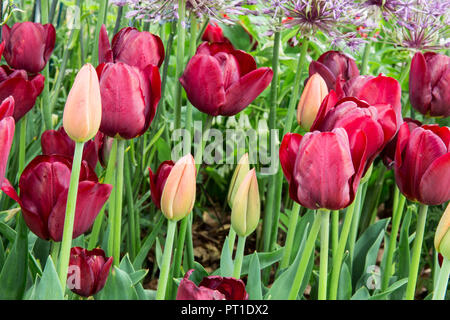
(345, 283)
(164, 151)
(13, 276)
(361, 294)
(198, 274)
(49, 287)
(119, 286)
(2, 254)
(392, 288)
(148, 244)
(362, 247)
(254, 288)
(370, 267)
(226, 262)
(159, 253)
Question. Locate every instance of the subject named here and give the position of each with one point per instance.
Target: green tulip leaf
(226, 262)
(119, 286)
(49, 287)
(254, 288)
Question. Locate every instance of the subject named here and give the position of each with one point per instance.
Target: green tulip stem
(324, 243)
(181, 35)
(397, 212)
(118, 201)
(416, 250)
(54, 250)
(292, 226)
(338, 255)
(334, 231)
(46, 106)
(22, 143)
(165, 267)
(69, 220)
(231, 239)
(366, 54)
(100, 20)
(109, 179)
(239, 257)
(180, 246)
(441, 286)
(304, 259)
(356, 217)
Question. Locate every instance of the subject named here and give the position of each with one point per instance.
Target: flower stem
(292, 226)
(231, 239)
(396, 218)
(417, 248)
(239, 257)
(337, 257)
(334, 231)
(356, 217)
(441, 287)
(69, 220)
(117, 234)
(100, 20)
(324, 243)
(304, 260)
(181, 34)
(180, 246)
(47, 107)
(164, 271)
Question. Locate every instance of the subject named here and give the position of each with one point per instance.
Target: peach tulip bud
(314, 92)
(246, 208)
(239, 174)
(178, 195)
(442, 235)
(83, 110)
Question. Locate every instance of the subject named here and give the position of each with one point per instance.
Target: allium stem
(304, 260)
(164, 270)
(417, 248)
(69, 220)
(441, 287)
(397, 212)
(181, 34)
(324, 244)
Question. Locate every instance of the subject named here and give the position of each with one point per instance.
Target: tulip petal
(203, 82)
(85, 274)
(434, 186)
(231, 288)
(440, 104)
(50, 37)
(419, 84)
(187, 290)
(325, 73)
(103, 275)
(152, 72)
(240, 94)
(105, 53)
(7, 108)
(7, 127)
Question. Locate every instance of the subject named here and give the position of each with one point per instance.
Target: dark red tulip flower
(104, 148)
(214, 33)
(44, 185)
(28, 45)
(375, 91)
(88, 271)
(324, 168)
(220, 80)
(130, 97)
(7, 126)
(388, 153)
(422, 163)
(335, 68)
(130, 46)
(57, 142)
(429, 82)
(24, 88)
(211, 288)
(378, 122)
(158, 181)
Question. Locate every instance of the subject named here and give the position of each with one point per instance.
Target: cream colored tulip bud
(442, 235)
(314, 92)
(246, 208)
(178, 195)
(83, 110)
(239, 174)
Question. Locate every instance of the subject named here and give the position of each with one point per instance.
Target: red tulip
(422, 163)
(158, 181)
(104, 148)
(24, 88)
(44, 185)
(57, 142)
(211, 288)
(130, 97)
(7, 126)
(88, 271)
(375, 91)
(220, 80)
(130, 46)
(322, 169)
(378, 122)
(214, 33)
(335, 68)
(28, 45)
(429, 82)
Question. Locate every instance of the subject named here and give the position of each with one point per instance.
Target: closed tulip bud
(83, 110)
(313, 94)
(178, 195)
(246, 207)
(158, 181)
(28, 45)
(214, 33)
(239, 174)
(442, 235)
(7, 126)
(88, 271)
